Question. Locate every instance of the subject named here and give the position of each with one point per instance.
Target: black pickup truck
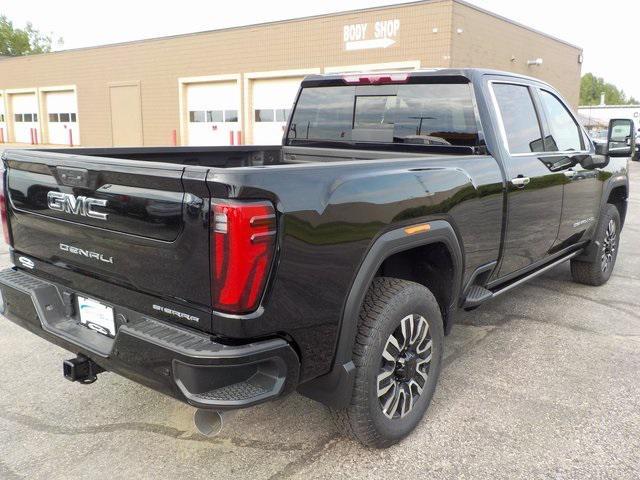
(333, 265)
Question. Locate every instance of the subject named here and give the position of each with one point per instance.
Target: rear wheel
(398, 354)
(599, 270)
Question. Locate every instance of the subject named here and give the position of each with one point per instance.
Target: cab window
(564, 131)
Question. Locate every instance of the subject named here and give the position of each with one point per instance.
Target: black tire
(598, 271)
(388, 303)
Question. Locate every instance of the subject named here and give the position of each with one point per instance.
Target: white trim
(183, 82)
(408, 65)
(59, 88)
(10, 118)
(12, 91)
(210, 78)
(3, 101)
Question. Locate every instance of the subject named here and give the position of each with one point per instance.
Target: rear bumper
(174, 360)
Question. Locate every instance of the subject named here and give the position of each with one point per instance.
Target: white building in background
(595, 116)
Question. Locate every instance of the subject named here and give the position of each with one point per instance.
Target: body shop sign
(364, 36)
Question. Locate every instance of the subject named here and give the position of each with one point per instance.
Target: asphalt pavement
(543, 382)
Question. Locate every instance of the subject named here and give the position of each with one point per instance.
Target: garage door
(25, 116)
(213, 110)
(272, 101)
(3, 122)
(62, 118)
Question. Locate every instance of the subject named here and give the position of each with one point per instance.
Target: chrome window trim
(503, 132)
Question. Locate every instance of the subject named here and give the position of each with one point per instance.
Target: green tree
(23, 41)
(591, 87)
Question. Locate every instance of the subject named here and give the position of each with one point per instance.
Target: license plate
(96, 316)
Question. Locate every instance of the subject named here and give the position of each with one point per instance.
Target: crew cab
(334, 264)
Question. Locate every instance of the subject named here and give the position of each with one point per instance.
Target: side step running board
(477, 294)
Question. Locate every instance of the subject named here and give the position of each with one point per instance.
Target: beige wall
(312, 43)
(489, 42)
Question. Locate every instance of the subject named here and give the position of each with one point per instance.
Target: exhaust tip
(208, 422)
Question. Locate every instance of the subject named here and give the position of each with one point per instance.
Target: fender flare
(609, 187)
(590, 252)
(334, 388)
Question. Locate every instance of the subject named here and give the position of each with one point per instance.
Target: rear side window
(519, 118)
(418, 114)
(565, 134)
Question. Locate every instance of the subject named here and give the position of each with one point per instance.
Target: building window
(272, 115)
(62, 117)
(231, 115)
(27, 117)
(265, 115)
(196, 116)
(18, 117)
(1, 117)
(214, 116)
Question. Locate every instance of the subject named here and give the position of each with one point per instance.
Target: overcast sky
(608, 31)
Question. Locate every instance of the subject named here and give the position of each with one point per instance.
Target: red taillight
(4, 216)
(371, 79)
(243, 238)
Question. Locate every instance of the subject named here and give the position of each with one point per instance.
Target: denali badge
(65, 202)
(176, 313)
(85, 253)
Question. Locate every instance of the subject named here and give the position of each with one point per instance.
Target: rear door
(136, 224)
(534, 189)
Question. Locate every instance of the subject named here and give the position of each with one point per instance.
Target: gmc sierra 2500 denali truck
(334, 264)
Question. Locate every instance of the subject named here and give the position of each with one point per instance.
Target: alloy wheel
(404, 367)
(609, 245)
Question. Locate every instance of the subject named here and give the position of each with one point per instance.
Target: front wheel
(598, 271)
(398, 355)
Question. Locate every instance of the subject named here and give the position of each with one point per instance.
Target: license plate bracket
(97, 316)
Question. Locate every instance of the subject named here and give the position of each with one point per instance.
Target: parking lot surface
(542, 382)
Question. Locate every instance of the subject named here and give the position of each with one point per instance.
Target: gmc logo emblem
(84, 206)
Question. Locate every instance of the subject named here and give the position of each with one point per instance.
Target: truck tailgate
(137, 224)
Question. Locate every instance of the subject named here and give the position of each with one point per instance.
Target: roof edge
(298, 19)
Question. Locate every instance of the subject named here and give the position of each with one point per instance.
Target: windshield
(418, 114)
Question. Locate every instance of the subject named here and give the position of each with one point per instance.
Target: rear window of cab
(418, 114)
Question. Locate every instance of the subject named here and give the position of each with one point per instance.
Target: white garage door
(25, 116)
(3, 122)
(272, 101)
(62, 118)
(213, 110)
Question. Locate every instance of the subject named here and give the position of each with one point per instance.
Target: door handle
(520, 181)
(570, 173)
